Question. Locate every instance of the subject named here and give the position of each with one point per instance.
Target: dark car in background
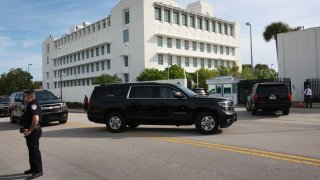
(132, 104)
(200, 91)
(52, 108)
(269, 97)
(4, 105)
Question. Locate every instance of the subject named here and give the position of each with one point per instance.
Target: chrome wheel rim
(207, 123)
(115, 122)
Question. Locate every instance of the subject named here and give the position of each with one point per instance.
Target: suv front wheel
(115, 122)
(207, 123)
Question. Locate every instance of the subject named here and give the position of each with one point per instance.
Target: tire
(253, 111)
(207, 123)
(248, 108)
(115, 122)
(12, 119)
(285, 112)
(132, 125)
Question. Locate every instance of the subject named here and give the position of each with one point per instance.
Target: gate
(315, 87)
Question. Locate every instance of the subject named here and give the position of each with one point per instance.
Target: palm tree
(275, 28)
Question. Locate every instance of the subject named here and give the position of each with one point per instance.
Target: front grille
(57, 107)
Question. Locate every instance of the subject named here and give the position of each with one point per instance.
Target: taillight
(255, 97)
(89, 103)
(289, 97)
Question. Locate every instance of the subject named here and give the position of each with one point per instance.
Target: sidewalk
(297, 105)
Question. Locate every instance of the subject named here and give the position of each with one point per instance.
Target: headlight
(64, 104)
(224, 104)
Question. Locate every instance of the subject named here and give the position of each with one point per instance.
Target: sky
(25, 24)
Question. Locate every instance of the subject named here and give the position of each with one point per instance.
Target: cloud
(27, 43)
(6, 42)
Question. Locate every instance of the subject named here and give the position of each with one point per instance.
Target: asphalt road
(266, 146)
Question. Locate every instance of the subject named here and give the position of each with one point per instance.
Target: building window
(179, 60)
(199, 23)
(207, 25)
(108, 64)
(126, 35)
(227, 50)
(108, 48)
(160, 59)
(47, 60)
(215, 63)
(167, 16)
(209, 48)
(169, 60)
(186, 61)
(215, 49)
(126, 62)
(159, 39)
(92, 67)
(87, 53)
(201, 47)
(82, 55)
(55, 85)
(213, 26)
(82, 67)
(219, 28)
(169, 42)
(176, 18)
(195, 63)
(231, 30)
(225, 27)
(184, 20)
(126, 16)
(97, 66)
(78, 56)
(192, 23)
(79, 70)
(102, 50)
(228, 64)
(97, 51)
(209, 63)
(102, 66)
(92, 52)
(186, 45)
(88, 68)
(178, 44)
(157, 11)
(202, 62)
(126, 77)
(194, 46)
(221, 49)
(233, 51)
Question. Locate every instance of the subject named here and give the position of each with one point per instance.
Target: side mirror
(58, 97)
(178, 95)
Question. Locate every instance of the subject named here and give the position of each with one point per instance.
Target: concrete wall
(299, 58)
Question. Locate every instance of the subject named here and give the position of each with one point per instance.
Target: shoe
(35, 175)
(28, 171)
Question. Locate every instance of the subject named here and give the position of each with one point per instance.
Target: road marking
(235, 149)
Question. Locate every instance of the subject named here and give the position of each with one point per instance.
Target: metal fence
(245, 87)
(315, 87)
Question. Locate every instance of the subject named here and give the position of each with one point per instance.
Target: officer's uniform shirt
(308, 92)
(33, 108)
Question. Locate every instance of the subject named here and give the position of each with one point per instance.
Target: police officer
(32, 132)
(308, 95)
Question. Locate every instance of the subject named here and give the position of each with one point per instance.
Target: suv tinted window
(45, 95)
(142, 92)
(166, 92)
(272, 88)
(109, 92)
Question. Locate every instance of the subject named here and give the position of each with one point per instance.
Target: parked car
(132, 104)
(269, 97)
(52, 108)
(4, 105)
(200, 91)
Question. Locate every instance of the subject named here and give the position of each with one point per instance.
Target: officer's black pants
(34, 152)
(308, 101)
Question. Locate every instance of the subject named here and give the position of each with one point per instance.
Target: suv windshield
(189, 92)
(45, 96)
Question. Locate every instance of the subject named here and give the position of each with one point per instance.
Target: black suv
(132, 104)
(269, 97)
(4, 105)
(52, 108)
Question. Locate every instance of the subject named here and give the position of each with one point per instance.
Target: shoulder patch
(34, 106)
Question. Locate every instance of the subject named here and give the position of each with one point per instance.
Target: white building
(138, 34)
(299, 58)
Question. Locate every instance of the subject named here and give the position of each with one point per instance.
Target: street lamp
(61, 74)
(169, 56)
(249, 24)
(28, 67)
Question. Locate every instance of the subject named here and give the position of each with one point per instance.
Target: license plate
(272, 97)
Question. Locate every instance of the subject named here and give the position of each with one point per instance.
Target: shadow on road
(102, 132)
(13, 176)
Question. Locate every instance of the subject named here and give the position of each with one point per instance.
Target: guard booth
(223, 86)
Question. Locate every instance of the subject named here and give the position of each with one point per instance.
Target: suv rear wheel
(115, 122)
(207, 123)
